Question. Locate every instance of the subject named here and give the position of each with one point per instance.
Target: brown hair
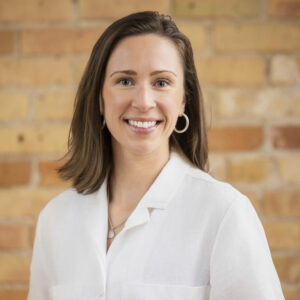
(89, 146)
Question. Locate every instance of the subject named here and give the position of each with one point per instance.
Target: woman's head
(143, 95)
(90, 147)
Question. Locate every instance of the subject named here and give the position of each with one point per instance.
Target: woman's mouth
(142, 126)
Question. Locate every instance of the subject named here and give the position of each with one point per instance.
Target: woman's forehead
(149, 51)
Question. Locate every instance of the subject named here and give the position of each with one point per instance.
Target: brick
(34, 140)
(107, 8)
(14, 268)
(283, 235)
(217, 8)
(25, 202)
(35, 10)
(59, 40)
(298, 60)
(294, 110)
(14, 173)
(14, 106)
(32, 234)
(291, 293)
(286, 137)
(250, 170)
(288, 268)
(282, 203)
(79, 69)
(231, 70)
(272, 104)
(49, 175)
(288, 168)
(234, 103)
(235, 138)
(54, 105)
(13, 237)
(284, 8)
(209, 95)
(196, 34)
(7, 41)
(284, 70)
(11, 294)
(245, 103)
(257, 37)
(35, 72)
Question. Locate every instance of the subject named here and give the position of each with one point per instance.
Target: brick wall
(248, 59)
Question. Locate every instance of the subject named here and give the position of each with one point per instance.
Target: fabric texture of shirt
(191, 237)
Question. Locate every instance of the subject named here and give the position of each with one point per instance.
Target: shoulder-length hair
(89, 155)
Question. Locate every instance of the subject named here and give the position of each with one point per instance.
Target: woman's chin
(147, 148)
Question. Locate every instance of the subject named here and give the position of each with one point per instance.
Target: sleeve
(39, 280)
(241, 264)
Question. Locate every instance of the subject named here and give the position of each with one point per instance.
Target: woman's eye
(161, 83)
(125, 81)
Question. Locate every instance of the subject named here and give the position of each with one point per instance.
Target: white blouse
(191, 237)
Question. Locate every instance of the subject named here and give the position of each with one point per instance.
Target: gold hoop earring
(187, 123)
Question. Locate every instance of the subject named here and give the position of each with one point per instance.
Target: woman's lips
(141, 126)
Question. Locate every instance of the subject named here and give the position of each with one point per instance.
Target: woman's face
(143, 93)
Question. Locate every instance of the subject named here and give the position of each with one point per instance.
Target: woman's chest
(167, 257)
(163, 262)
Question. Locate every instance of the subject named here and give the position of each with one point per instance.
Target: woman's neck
(132, 176)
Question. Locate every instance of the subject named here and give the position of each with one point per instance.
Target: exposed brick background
(247, 55)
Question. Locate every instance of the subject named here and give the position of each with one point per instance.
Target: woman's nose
(143, 99)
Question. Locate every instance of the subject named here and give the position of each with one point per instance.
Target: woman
(143, 219)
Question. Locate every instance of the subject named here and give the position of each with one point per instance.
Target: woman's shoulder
(204, 178)
(210, 181)
(67, 202)
(209, 191)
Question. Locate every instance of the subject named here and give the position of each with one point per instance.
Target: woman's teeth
(141, 124)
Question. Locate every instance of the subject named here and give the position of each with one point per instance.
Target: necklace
(111, 233)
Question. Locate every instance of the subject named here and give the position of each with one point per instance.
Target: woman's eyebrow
(162, 71)
(130, 72)
(127, 72)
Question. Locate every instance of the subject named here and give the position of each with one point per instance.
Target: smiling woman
(143, 94)
(143, 219)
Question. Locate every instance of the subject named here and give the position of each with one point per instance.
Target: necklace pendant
(111, 234)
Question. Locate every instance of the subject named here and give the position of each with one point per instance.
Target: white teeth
(141, 124)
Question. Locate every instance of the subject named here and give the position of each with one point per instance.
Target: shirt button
(101, 292)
